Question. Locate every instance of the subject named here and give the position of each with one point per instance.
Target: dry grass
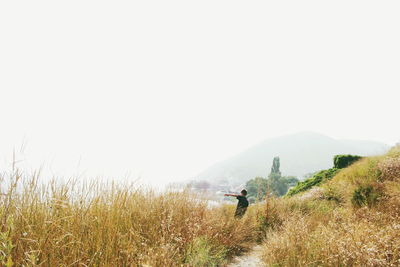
(113, 225)
(352, 220)
(330, 228)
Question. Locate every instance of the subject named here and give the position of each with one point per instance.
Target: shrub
(315, 180)
(332, 194)
(365, 195)
(343, 161)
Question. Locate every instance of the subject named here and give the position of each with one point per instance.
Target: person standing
(242, 204)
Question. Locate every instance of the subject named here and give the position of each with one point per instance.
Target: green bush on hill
(316, 179)
(339, 161)
(365, 195)
(343, 161)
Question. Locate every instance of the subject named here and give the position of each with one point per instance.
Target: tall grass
(351, 220)
(76, 224)
(341, 224)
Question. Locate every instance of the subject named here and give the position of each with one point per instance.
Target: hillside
(349, 220)
(300, 154)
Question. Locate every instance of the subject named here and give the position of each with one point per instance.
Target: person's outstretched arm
(231, 195)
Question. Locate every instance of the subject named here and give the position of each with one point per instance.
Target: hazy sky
(163, 89)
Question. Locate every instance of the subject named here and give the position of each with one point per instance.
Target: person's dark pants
(240, 212)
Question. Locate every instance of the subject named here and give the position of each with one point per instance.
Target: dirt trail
(250, 259)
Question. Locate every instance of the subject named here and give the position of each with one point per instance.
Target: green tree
(275, 166)
(290, 180)
(257, 188)
(275, 184)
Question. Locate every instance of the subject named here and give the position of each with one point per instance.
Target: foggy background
(163, 89)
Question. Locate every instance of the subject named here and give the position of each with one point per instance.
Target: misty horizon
(49, 166)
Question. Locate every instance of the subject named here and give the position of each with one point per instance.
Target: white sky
(163, 89)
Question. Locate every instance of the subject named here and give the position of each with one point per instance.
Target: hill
(300, 154)
(351, 219)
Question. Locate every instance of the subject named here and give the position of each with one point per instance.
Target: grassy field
(352, 219)
(114, 225)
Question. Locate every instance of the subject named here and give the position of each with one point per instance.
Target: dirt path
(250, 259)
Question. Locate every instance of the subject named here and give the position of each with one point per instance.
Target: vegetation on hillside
(351, 220)
(343, 161)
(315, 180)
(340, 162)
